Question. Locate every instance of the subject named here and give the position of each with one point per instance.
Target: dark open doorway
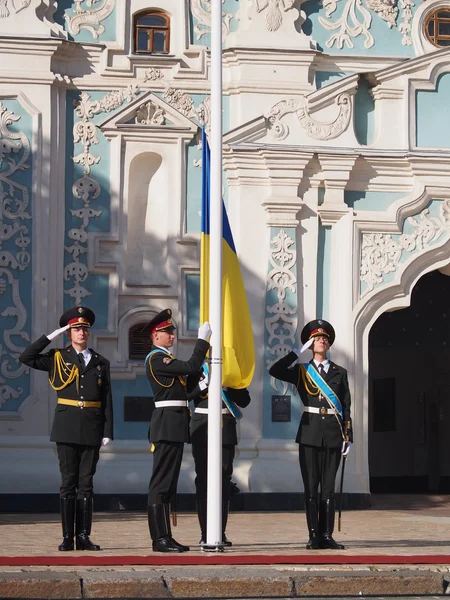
(409, 393)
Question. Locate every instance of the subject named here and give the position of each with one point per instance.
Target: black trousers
(199, 452)
(77, 465)
(167, 458)
(319, 466)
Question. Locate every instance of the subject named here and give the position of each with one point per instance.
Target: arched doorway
(409, 393)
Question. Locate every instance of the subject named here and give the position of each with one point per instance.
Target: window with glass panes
(151, 33)
(437, 27)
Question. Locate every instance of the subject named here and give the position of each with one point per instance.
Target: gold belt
(80, 403)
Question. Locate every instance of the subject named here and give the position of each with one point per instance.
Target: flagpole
(214, 489)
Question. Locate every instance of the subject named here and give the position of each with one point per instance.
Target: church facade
(337, 185)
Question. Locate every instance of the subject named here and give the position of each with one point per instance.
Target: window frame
(151, 29)
(433, 16)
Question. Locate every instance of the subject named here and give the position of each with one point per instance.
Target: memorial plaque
(138, 408)
(281, 409)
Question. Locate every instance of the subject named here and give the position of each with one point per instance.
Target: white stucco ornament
(15, 151)
(201, 9)
(15, 5)
(90, 19)
(316, 129)
(273, 11)
(356, 19)
(381, 253)
(281, 318)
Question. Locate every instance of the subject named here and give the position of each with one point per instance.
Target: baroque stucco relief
(15, 154)
(356, 19)
(381, 253)
(89, 14)
(281, 317)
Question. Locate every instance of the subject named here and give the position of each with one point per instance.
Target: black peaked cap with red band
(78, 316)
(316, 328)
(161, 322)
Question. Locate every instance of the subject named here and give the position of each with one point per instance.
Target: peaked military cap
(316, 328)
(78, 316)
(162, 321)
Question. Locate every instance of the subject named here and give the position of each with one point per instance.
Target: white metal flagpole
(214, 491)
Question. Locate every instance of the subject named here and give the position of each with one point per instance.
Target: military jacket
(314, 429)
(72, 424)
(199, 422)
(172, 379)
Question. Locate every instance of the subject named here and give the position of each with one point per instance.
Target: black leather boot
(85, 507)
(326, 519)
(312, 519)
(161, 536)
(201, 514)
(167, 515)
(67, 504)
(225, 509)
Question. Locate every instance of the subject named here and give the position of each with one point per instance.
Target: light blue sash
(232, 407)
(154, 352)
(181, 378)
(324, 388)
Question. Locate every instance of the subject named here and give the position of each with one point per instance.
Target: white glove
(204, 331)
(51, 336)
(203, 384)
(105, 441)
(346, 448)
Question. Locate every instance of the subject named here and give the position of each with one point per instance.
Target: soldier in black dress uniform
(199, 439)
(170, 380)
(83, 420)
(325, 432)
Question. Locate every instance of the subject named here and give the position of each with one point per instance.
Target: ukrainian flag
(238, 350)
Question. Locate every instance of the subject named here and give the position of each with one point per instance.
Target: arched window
(437, 27)
(151, 33)
(139, 342)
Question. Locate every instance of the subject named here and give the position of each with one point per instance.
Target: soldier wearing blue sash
(170, 380)
(325, 430)
(83, 420)
(231, 400)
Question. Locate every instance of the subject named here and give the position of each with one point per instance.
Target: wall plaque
(281, 409)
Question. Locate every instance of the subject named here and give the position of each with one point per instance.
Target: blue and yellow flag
(238, 350)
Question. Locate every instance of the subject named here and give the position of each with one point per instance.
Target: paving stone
(40, 585)
(396, 584)
(229, 583)
(124, 585)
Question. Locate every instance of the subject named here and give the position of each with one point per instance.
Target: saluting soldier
(232, 400)
(83, 420)
(170, 380)
(325, 430)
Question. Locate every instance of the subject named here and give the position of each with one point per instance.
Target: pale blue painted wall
(388, 42)
(364, 114)
(432, 115)
(14, 391)
(129, 430)
(324, 78)
(374, 201)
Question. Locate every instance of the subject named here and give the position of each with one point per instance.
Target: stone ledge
(225, 582)
(395, 583)
(148, 584)
(40, 585)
